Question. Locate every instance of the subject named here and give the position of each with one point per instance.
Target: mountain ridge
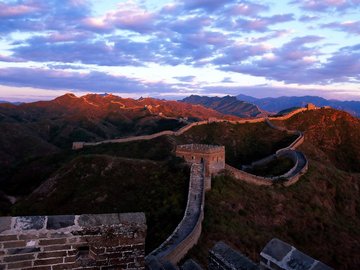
(284, 102)
(227, 105)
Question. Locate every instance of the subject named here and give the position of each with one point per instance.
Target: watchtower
(213, 157)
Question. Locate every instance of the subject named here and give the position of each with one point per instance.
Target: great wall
(102, 242)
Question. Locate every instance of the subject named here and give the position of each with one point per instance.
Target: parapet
(73, 241)
(278, 255)
(225, 258)
(200, 148)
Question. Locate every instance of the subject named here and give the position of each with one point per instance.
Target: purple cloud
(42, 15)
(14, 10)
(255, 24)
(93, 81)
(208, 5)
(185, 78)
(352, 27)
(290, 63)
(247, 8)
(327, 5)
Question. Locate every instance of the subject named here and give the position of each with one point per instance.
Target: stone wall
(79, 145)
(278, 255)
(212, 156)
(223, 257)
(188, 231)
(103, 241)
(248, 177)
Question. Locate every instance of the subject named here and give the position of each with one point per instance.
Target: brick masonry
(104, 241)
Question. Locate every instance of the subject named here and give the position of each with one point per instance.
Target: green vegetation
(276, 167)
(105, 184)
(244, 143)
(319, 215)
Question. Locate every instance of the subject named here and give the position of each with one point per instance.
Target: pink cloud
(16, 10)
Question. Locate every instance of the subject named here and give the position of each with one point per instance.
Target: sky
(172, 49)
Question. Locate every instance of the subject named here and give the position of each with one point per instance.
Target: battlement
(200, 148)
(115, 241)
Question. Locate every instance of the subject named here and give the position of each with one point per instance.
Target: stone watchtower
(213, 157)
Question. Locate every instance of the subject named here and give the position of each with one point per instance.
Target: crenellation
(73, 242)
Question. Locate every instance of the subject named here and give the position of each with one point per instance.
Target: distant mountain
(15, 103)
(281, 103)
(35, 129)
(226, 105)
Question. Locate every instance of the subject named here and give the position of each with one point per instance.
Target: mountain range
(275, 105)
(226, 105)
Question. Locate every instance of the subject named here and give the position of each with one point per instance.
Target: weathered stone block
(14, 244)
(58, 222)
(30, 222)
(48, 261)
(19, 265)
(5, 223)
(23, 250)
(46, 242)
(52, 254)
(321, 266)
(299, 260)
(8, 238)
(224, 257)
(276, 249)
(16, 258)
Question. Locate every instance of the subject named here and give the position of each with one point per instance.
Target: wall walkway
(293, 175)
(187, 233)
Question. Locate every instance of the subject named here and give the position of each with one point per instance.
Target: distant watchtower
(212, 156)
(310, 107)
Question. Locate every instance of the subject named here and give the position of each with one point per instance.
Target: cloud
(128, 16)
(294, 62)
(185, 78)
(8, 11)
(40, 15)
(327, 5)
(208, 5)
(92, 81)
(247, 8)
(352, 27)
(253, 24)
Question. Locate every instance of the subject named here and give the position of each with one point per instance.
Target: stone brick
(46, 242)
(48, 261)
(64, 266)
(39, 268)
(23, 250)
(57, 247)
(73, 240)
(30, 222)
(22, 257)
(72, 252)
(20, 265)
(58, 222)
(8, 237)
(5, 223)
(52, 254)
(70, 259)
(14, 244)
(28, 236)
